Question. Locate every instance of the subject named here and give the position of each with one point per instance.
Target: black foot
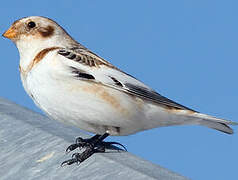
(91, 145)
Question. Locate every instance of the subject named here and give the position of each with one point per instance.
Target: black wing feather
(153, 96)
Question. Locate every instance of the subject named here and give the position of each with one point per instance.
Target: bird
(75, 86)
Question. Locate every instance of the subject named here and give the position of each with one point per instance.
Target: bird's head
(37, 32)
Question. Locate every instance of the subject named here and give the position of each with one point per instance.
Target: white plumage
(75, 86)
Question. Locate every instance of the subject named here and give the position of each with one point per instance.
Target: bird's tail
(213, 122)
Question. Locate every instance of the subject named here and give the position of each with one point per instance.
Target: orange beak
(11, 33)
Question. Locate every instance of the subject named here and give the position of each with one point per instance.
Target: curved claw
(69, 162)
(114, 143)
(71, 148)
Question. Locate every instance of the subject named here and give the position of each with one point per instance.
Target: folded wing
(88, 66)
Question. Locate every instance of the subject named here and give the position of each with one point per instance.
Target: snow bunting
(73, 85)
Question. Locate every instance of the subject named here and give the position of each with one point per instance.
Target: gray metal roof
(33, 147)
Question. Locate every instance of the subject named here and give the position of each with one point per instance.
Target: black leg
(92, 145)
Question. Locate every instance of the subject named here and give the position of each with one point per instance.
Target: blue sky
(186, 50)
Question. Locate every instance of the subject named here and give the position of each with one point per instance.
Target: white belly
(89, 106)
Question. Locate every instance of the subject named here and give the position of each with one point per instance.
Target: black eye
(31, 24)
